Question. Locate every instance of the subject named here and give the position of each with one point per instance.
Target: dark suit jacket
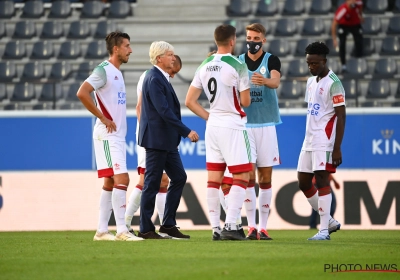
(160, 120)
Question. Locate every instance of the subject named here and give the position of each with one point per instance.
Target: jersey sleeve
(244, 82)
(140, 84)
(98, 78)
(307, 91)
(337, 94)
(274, 63)
(196, 80)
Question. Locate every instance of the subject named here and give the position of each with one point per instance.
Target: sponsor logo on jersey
(263, 70)
(116, 78)
(338, 99)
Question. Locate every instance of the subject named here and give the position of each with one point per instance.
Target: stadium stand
(66, 39)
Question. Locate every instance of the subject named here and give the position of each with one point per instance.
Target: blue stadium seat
(7, 9)
(293, 7)
(119, 9)
(313, 27)
(301, 46)
(13, 106)
(3, 32)
(14, 50)
(33, 9)
(71, 91)
(71, 106)
(285, 27)
(105, 27)
(239, 8)
(85, 69)
(70, 50)
(92, 9)
(79, 30)
(279, 47)
(394, 25)
(60, 70)
(371, 26)
(50, 92)
(43, 106)
(24, 30)
(390, 46)
(291, 89)
(385, 68)
(378, 88)
(267, 8)
(33, 71)
(298, 68)
(3, 92)
(52, 30)
(396, 8)
(97, 50)
(351, 88)
(8, 71)
(60, 9)
(376, 7)
(23, 92)
(42, 50)
(332, 50)
(356, 67)
(320, 7)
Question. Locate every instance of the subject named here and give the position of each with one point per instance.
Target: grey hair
(158, 48)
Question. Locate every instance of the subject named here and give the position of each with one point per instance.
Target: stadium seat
(60, 70)
(60, 9)
(398, 91)
(320, 7)
(7, 9)
(293, 7)
(33, 71)
(3, 92)
(264, 22)
(376, 7)
(70, 50)
(42, 50)
(356, 67)
(301, 45)
(385, 68)
(71, 91)
(396, 7)
(3, 32)
(368, 47)
(43, 106)
(104, 28)
(8, 71)
(286, 27)
(351, 88)
(238, 8)
(390, 46)
(291, 89)
(298, 68)
(23, 92)
(378, 88)
(13, 106)
(14, 50)
(279, 47)
(334, 65)
(24, 30)
(33, 9)
(71, 106)
(394, 25)
(50, 91)
(52, 30)
(97, 50)
(371, 26)
(370, 104)
(313, 27)
(332, 50)
(119, 9)
(92, 9)
(267, 8)
(79, 30)
(85, 69)
(396, 104)
(238, 24)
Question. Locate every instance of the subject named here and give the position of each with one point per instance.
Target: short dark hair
(115, 39)
(318, 48)
(223, 34)
(178, 60)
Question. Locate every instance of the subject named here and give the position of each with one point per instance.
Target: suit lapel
(169, 85)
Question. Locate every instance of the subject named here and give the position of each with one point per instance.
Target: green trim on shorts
(107, 152)
(327, 156)
(246, 139)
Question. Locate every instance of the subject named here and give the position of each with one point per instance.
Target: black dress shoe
(151, 235)
(173, 232)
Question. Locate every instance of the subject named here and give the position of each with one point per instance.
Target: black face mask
(253, 47)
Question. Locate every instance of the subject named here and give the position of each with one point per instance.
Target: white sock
(264, 204)
(250, 203)
(324, 209)
(119, 206)
(222, 199)
(313, 200)
(160, 205)
(105, 210)
(133, 205)
(235, 203)
(214, 208)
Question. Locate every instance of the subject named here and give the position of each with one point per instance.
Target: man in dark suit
(160, 132)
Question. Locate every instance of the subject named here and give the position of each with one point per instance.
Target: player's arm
(84, 95)
(245, 99)
(340, 112)
(333, 32)
(139, 107)
(192, 103)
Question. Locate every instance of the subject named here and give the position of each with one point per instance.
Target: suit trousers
(156, 162)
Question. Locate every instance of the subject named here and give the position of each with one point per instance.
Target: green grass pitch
(73, 255)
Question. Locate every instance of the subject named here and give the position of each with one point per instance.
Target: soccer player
(109, 134)
(321, 152)
(134, 199)
(225, 82)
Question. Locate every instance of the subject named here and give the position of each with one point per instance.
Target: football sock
(160, 205)
(105, 209)
(133, 204)
(250, 204)
(235, 201)
(213, 203)
(324, 207)
(222, 199)
(119, 207)
(264, 202)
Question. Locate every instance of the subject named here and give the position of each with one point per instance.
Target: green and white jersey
(222, 77)
(322, 97)
(110, 95)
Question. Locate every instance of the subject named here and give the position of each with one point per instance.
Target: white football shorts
(110, 157)
(264, 146)
(310, 161)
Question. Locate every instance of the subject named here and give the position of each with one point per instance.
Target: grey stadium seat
(396, 8)
(376, 7)
(267, 8)
(293, 7)
(13, 106)
(70, 50)
(52, 30)
(42, 50)
(332, 50)
(291, 89)
(378, 88)
(394, 25)
(371, 26)
(385, 68)
(33, 71)
(23, 92)
(320, 7)
(14, 50)
(60, 70)
(3, 92)
(390, 46)
(313, 27)
(96, 50)
(43, 106)
(351, 88)
(356, 67)
(301, 46)
(24, 30)
(3, 32)
(85, 69)
(92, 9)
(70, 94)
(60, 9)
(105, 27)
(71, 106)
(49, 90)
(298, 68)
(285, 27)
(8, 71)
(79, 30)
(7, 9)
(279, 47)
(119, 9)
(238, 8)
(33, 9)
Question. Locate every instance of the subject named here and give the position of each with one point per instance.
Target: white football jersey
(139, 93)
(110, 95)
(222, 77)
(322, 97)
